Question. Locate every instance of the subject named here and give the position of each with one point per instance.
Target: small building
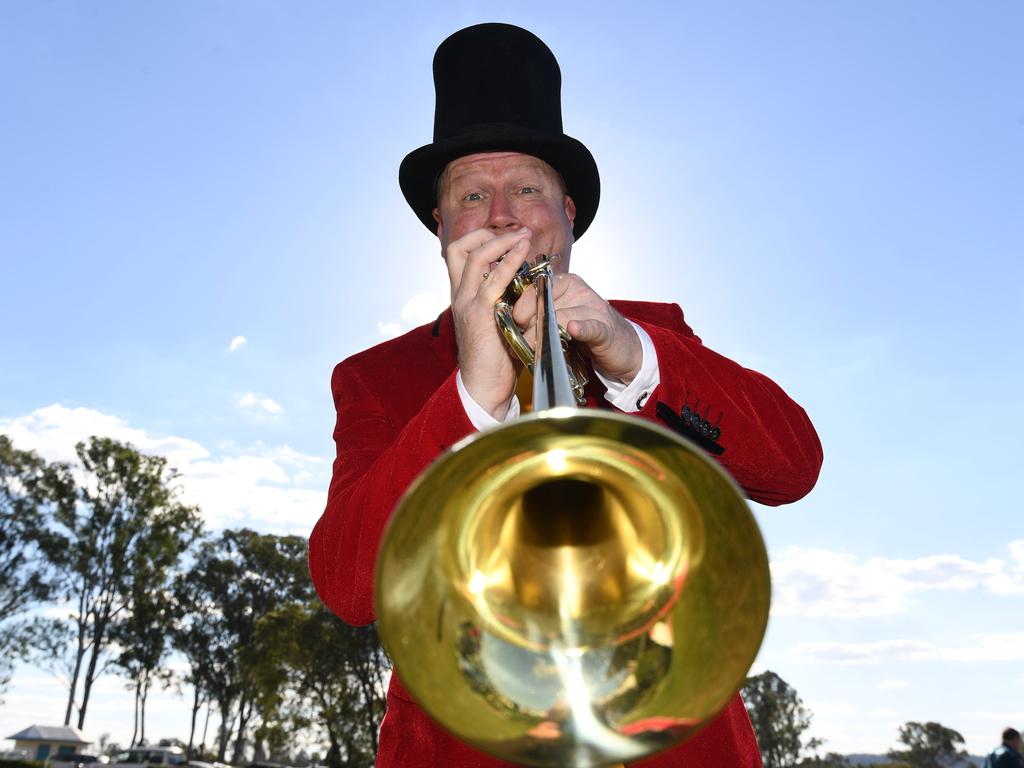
(45, 742)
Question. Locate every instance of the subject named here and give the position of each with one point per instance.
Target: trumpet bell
(576, 588)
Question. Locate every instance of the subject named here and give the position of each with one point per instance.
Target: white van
(140, 757)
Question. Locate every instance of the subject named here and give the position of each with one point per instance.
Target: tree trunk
(73, 686)
(142, 709)
(226, 728)
(135, 729)
(334, 753)
(244, 713)
(206, 726)
(369, 699)
(192, 726)
(73, 689)
(368, 674)
(90, 671)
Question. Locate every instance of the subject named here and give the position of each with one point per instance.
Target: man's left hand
(611, 340)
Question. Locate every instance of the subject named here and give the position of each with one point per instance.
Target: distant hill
(857, 759)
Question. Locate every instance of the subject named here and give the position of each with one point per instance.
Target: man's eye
(528, 190)
(472, 197)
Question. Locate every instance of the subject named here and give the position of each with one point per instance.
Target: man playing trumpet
(500, 185)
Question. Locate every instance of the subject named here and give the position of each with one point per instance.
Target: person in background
(1008, 754)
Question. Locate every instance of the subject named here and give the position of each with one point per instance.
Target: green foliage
(143, 633)
(930, 745)
(779, 719)
(22, 763)
(236, 580)
(21, 517)
(334, 672)
(29, 490)
(830, 760)
(126, 531)
(258, 644)
(195, 632)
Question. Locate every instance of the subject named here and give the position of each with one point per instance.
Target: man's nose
(503, 216)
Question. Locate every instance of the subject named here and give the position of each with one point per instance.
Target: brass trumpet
(525, 276)
(578, 587)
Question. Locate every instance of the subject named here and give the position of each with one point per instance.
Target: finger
(493, 251)
(593, 333)
(569, 290)
(563, 292)
(525, 310)
(564, 283)
(459, 250)
(476, 262)
(496, 269)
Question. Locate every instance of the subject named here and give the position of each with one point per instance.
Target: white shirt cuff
(478, 417)
(632, 398)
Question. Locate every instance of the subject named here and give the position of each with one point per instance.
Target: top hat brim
(419, 171)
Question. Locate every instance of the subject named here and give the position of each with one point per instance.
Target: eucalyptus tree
(142, 635)
(238, 578)
(930, 745)
(195, 630)
(29, 491)
(323, 675)
(203, 633)
(830, 760)
(779, 719)
(125, 532)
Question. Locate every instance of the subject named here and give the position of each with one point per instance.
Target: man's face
(503, 191)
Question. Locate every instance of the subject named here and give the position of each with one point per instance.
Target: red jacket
(398, 408)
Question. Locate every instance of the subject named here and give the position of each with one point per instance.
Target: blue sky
(831, 191)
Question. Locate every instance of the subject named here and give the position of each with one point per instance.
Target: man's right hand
(488, 368)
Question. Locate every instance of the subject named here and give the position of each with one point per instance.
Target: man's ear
(570, 209)
(436, 213)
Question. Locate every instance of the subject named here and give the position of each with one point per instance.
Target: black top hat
(498, 89)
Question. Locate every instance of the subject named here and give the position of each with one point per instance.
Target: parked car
(76, 760)
(140, 757)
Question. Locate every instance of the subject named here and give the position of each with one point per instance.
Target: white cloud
(1017, 553)
(892, 685)
(997, 717)
(53, 431)
(237, 343)
(991, 647)
(420, 309)
(423, 308)
(257, 402)
(818, 582)
(273, 489)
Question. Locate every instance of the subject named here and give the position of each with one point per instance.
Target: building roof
(64, 733)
